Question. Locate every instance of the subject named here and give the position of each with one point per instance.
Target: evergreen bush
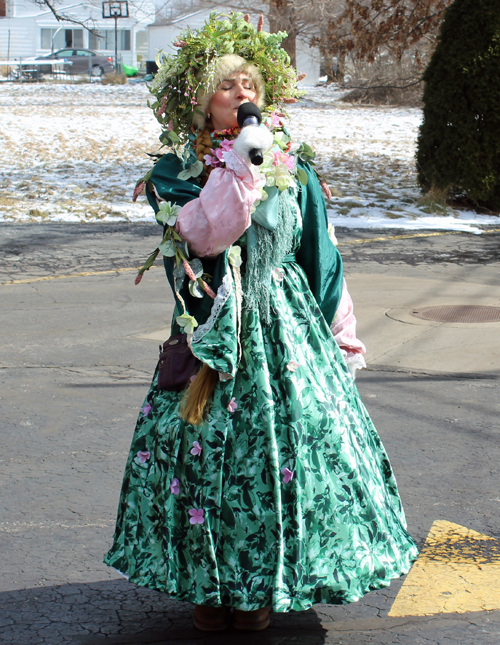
(459, 141)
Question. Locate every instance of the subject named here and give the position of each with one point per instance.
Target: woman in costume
(263, 484)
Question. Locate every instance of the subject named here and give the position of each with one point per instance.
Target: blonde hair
(203, 147)
(227, 65)
(195, 403)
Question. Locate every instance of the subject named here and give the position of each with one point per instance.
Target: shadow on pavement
(116, 612)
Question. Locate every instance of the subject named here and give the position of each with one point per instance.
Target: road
(78, 347)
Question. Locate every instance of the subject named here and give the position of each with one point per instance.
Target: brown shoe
(211, 619)
(251, 621)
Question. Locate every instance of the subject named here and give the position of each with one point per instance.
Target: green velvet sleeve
(317, 255)
(178, 191)
(168, 186)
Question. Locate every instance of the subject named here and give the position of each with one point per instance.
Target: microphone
(250, 115)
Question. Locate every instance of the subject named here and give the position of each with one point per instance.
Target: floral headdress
(184, 76)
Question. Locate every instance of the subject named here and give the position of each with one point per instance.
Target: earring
(209, 115)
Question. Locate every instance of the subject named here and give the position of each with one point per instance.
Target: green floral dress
(285, 496)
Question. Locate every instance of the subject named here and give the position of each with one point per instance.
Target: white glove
(253, 140)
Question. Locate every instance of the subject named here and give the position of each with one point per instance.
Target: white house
(28, 29)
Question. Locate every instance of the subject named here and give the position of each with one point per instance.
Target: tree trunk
(340, 73)
(282, 18)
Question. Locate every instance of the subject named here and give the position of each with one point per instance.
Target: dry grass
(74, 151)
(411, 96)
(36, 214)
(435, 201)
(114, 79)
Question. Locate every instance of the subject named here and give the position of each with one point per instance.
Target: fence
(30, 69)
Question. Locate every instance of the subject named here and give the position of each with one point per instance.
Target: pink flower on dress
(143, 456)
(174, 486)
(282, 157)
(226, 145)
(215, 161)
(287, 475)
(196, 449)
(219, 153)
(196, 516)
(278, 275)
(292, 366)
(233, 406)
(146, 409)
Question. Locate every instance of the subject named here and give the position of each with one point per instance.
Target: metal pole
(116, 44)
(52, 39)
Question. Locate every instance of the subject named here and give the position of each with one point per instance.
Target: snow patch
(75, 152)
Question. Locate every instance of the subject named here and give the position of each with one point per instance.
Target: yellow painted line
(407, 236)
(458, 571)
(369, 240)
(386, 238)
(71, 275)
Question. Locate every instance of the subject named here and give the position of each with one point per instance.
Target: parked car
(83, 61)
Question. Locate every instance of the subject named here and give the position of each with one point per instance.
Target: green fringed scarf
(266, 250)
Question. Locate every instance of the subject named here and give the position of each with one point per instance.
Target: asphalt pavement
(78, 347)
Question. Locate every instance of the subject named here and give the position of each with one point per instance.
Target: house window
(60, 38)
(124, 40)
(105, 39)
(3, 8)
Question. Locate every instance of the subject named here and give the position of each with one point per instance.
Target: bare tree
(301, 19)
(384, 33)
(62, 14)
(383, 45)
(364, 27)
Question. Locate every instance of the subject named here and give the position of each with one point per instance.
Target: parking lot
(79, 346)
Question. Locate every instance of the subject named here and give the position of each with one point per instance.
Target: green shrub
(459, 141)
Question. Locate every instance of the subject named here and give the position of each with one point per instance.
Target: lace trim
(236, 163)
(239, 303)
(158, 199)
(223, 293)
(354, 361)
